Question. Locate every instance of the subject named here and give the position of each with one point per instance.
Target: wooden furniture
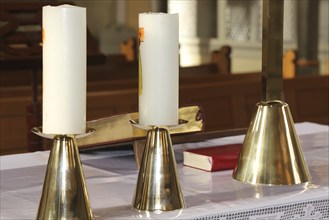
(289, 64)
(228, 102)
(117, 67)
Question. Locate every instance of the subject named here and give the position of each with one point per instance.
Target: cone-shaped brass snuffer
(158, 185)
(271, 152)
(64, 194)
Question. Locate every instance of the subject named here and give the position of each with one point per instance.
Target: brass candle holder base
(64, 194)
(271, 152)
(158, 187)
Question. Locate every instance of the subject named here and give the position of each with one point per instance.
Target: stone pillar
(307, 37)
(197, 24)
(206, 19)
(187, 16)
(159, 6)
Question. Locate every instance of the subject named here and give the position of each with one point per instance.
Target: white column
(187, 11)
(221, 25)
(121, 12)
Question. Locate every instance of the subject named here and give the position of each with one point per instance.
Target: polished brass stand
(271, 152)
(158, 187)
(64, 194)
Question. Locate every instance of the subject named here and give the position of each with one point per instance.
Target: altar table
(111, 177)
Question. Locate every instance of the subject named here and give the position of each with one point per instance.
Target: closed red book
(213, 158)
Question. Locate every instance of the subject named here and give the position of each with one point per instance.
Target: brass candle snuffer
(271, 152)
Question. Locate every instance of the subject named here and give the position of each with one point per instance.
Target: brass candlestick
(271, 152)
(64, 194)
(158, 186)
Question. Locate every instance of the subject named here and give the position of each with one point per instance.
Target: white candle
(158, 89)
(64, 69)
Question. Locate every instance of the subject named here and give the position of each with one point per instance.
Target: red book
(213, 158)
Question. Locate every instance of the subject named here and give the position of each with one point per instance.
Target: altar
(111, 176)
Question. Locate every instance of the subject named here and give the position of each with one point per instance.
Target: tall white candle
(158, 76)
(64, 69)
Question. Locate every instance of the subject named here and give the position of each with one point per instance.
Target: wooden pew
(115, 68)
(220, 64)
(227, 104)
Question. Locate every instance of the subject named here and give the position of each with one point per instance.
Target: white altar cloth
(111, 177)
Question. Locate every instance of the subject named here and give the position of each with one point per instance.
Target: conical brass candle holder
(271, 152)
(64, 194)
(158, 187)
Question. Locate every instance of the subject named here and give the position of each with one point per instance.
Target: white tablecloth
(111, 177)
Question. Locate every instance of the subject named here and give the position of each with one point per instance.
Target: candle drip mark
(43, 35)
(140, 35)
(140, 83)
(140, 39)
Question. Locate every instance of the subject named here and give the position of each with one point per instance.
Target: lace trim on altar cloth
(313, 209)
